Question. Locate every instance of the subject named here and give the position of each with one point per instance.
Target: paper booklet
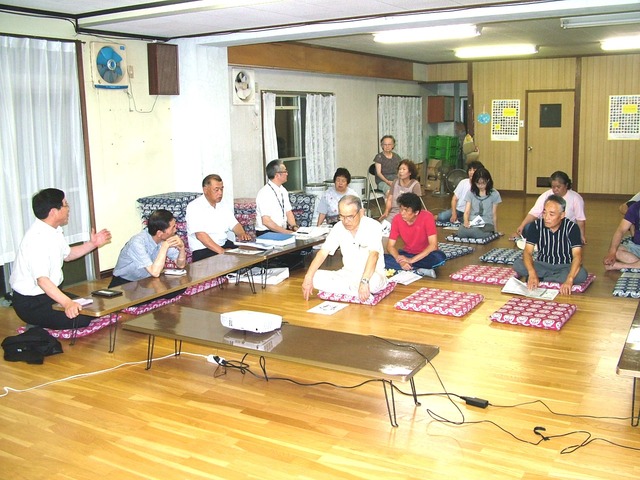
(405, 277)
(304, 233)
(276, 239)
(517, 287)
(477, 221)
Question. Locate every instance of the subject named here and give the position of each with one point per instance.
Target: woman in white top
(561, 186)
(328, 205)
(406, 182)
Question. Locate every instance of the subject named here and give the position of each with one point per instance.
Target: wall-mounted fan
(244, 86)
(109, 63)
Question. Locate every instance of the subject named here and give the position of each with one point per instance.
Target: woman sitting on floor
(406, 182)
(481, 212)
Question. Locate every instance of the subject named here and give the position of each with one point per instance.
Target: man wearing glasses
(360, 241)
(37, 272)
(273, 208)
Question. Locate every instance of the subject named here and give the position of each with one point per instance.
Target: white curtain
(320, 137)
(402, 118)
(41, 142)
(269, 126)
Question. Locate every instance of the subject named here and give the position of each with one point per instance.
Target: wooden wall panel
(607, 166)
(511, 80)
(447, 72)
(293, 56)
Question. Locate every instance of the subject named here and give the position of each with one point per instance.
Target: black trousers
(206, 253)
(37, 310)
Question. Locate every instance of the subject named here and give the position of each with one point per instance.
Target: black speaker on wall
(163, 69)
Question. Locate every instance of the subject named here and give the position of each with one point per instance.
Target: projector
(250, 321)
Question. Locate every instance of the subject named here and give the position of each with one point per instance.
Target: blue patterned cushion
(628, 285)
(454, 251)
(302, 206)
(477, 241)
(175, 202)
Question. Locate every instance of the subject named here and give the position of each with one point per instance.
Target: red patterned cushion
(484, 274)
(94, 326)
(575, 289)
(440, 302)
(206, 285)
(534, 313)
(152, 305)
(372, 300)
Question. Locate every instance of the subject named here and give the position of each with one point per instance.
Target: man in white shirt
(273, 208)
(37, 272)
(360, 241)
(209, 221)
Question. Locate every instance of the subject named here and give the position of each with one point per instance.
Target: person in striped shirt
(559, 249)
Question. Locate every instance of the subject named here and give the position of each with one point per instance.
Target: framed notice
(505, 120)
(624, 117)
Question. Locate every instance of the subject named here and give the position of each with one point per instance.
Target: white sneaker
(426, 272)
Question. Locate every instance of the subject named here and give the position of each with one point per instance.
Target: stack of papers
(304, 233)
(517, 287)
(276, 239)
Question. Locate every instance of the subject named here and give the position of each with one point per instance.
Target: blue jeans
(445, 215)
(433, 260)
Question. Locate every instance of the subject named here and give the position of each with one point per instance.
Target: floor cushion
(505, 256)
(478, 241)
(372, 300)
(95, 325)
(206, 285)
(440, 302)
(484, 274)
(152, 305)
(530, 312)
(454, 251)
(628, 285)
(581, 287)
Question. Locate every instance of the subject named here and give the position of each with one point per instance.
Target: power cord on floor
(478, 402)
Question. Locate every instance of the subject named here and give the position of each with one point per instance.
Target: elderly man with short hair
(360, 241)
(559, 243)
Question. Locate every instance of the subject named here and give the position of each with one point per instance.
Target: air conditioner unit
(109, 66)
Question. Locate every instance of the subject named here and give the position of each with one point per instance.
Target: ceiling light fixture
(631, 42)
(427, 34)
(496, 51)
(601, 20)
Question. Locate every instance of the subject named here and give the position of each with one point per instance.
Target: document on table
(304, 233)
(517, 287)
(244, 251)
(259, 246)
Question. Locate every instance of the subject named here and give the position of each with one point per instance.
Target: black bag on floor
(31, 346)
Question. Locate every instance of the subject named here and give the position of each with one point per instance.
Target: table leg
(250, 278)
(413, 392)
(391, 407)
(150, 344)
(177, 347)
(635, 418)
(113, 330)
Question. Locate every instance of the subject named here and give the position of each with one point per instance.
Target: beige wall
(607, 166)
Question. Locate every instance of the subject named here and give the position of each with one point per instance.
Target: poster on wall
(505, 120)
(624, 117)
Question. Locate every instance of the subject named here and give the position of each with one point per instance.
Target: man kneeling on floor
(559, 243)
(360, 242)
(417, 228)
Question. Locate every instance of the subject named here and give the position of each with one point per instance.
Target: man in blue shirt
(145, 254)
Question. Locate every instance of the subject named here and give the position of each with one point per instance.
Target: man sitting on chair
(559, 249)
(360, 241)
(417, 228)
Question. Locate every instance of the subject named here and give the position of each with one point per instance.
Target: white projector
(250, 321)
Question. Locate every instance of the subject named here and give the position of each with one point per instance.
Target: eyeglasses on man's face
(347, 218)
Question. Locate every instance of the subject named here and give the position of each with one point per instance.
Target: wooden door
(549, 137)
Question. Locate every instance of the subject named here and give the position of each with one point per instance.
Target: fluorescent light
(496, 51)
(601, 20)
(427, 34)
(631, 42)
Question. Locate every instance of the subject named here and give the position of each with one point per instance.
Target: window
(290, 117)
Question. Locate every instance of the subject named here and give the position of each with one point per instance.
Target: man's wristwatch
(364, 281)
